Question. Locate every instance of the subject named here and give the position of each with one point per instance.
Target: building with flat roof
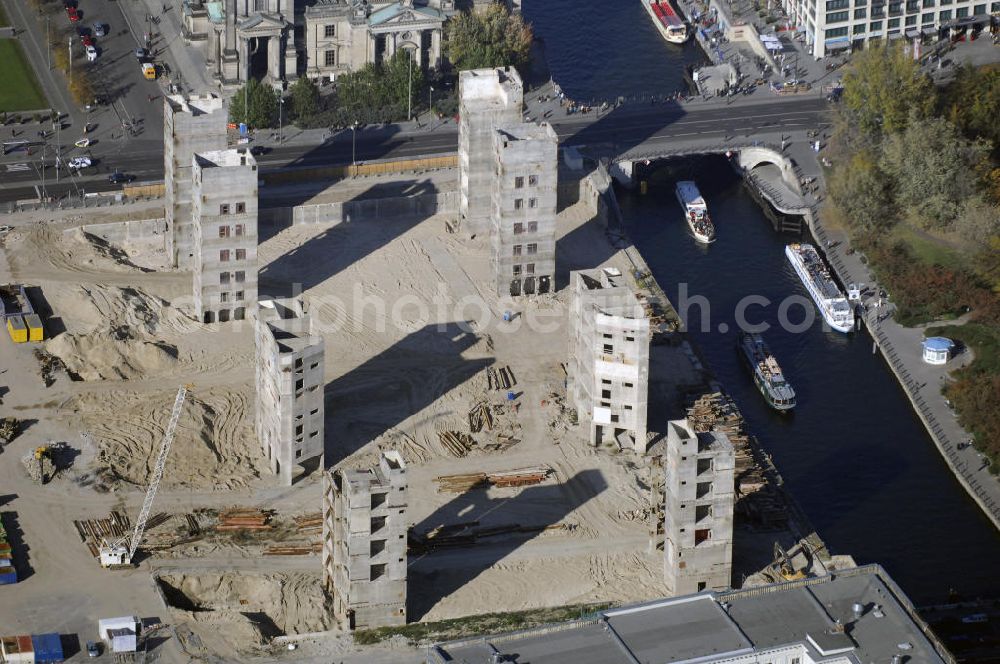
(856, 616)
(523, 223)
(225, 234)
(608, 368)
(290, 380)
(835, 26)
(698, 509)
(488, 98)
(190, 124)
(364, 543)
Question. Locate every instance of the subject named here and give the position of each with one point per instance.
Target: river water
(853, 453)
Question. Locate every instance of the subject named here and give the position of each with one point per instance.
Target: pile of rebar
(500, 379)
(458, 444)
(244, 518)
(480, 417)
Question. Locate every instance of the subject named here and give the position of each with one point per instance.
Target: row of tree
(908, 153)
(394, 89)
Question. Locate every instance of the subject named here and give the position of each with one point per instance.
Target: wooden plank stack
(244, 518)
(457, 443)
(756, 498)
(502, 479)
(480, 417)
(309, 523)
(500, 379)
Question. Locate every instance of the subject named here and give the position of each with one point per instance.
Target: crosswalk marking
(18, 167)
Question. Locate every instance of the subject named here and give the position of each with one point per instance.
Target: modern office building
(832, 26)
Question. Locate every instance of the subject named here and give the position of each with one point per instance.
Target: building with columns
(280, 40)
(344, 35)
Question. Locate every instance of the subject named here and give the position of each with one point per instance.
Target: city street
(622, 128)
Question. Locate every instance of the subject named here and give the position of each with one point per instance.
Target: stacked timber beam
(502, 479)
(458, 444)
(757, 500)
(244, 518)
(480, 417)
(500, 379)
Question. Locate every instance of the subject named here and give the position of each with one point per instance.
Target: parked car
(87, 40)
(93, 650)
(120, 178)
(99, 30)
(80, 162)
(91, 53)
(140, 54)
(258, 150)
(73, 14)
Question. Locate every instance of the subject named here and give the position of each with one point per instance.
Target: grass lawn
(928, 249)
(19, 89)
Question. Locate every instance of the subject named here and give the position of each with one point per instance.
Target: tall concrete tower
(488, 98)
(698, 514)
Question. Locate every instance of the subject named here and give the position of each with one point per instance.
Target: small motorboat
(82, 143)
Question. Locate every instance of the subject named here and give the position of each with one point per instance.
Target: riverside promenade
(901, 348)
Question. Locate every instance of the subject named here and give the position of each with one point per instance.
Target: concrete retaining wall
(413, 206)
(119, 232)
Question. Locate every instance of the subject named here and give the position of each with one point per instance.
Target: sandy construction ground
(412, 328)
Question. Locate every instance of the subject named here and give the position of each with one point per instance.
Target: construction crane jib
(122, 551)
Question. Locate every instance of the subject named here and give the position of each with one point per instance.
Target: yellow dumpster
(17, 329)
(34, 324)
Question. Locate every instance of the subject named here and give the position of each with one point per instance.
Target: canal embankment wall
(930, 407)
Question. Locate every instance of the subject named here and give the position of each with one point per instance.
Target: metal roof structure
(857, 615)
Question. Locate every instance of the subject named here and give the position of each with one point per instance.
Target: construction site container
(17, 329)
(48, 648)
(8, 575)
(104, 625)
(17, 649)
(122, 640)
(14, 301)
(34, 325)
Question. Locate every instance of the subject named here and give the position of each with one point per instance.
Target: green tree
(305, 98)
(883, 88)
(933, 169)
(862, 193)
(972, 102)
(493, 37)
(263, 105)
(380, 92)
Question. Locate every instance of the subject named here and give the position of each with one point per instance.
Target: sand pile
(247, 610)
(214, 446)
(114, 332)
(114, 355)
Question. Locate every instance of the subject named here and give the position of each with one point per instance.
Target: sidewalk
(902, 351)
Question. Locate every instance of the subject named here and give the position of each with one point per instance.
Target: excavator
(783, 565)
(118, 553)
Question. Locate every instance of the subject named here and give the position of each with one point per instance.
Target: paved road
(615, 131)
